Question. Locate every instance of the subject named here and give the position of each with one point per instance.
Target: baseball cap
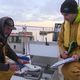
(10, 23)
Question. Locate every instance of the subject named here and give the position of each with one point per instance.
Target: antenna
(78, 2)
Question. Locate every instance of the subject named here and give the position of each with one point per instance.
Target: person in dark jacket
(7, 69)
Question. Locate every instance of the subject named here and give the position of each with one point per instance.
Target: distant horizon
(39, 23)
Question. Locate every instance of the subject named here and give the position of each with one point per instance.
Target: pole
(78, 2)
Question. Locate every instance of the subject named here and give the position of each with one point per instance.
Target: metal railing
(35, 31)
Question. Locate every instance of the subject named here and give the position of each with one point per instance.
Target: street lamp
(24, 29)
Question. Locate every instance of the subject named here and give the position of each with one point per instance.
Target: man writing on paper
(70, 32)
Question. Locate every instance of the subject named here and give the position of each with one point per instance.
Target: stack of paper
(62, 62)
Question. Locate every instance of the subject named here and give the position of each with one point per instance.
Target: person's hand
(64, 55)
(23, 61)
(76, 57)
(14, 67)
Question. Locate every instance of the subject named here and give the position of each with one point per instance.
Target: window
(14, 39)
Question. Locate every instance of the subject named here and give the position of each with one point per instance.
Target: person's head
(69, 10)
(6, 26)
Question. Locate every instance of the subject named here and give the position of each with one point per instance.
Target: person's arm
(10, 53)
(62, 49)
(4, 67)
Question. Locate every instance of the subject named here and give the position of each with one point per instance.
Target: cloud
(31, 10)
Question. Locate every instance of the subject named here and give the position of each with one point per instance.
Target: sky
(31, 10)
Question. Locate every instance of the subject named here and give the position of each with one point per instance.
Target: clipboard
(62, 62)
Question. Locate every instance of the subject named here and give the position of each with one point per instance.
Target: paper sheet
(62, 62)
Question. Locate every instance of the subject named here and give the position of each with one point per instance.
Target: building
(19, 41)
